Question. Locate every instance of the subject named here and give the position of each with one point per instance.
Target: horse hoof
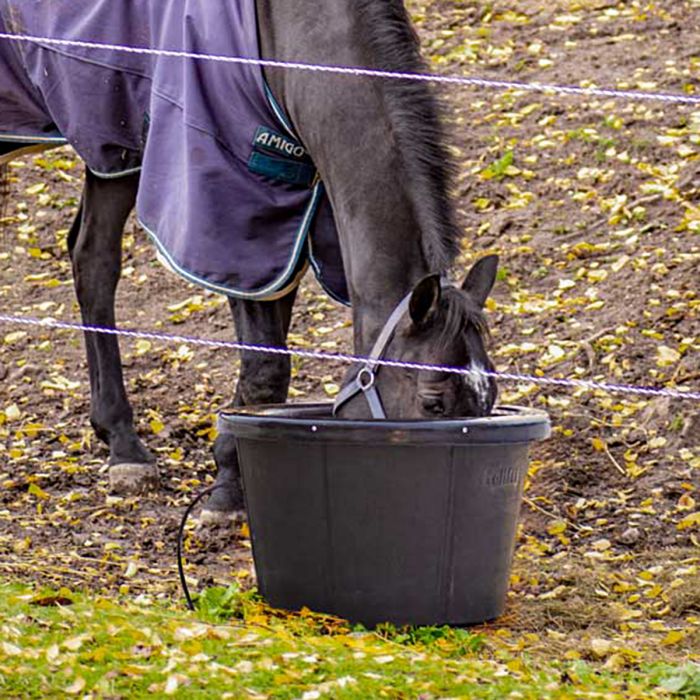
(133, 479)
(220, 517)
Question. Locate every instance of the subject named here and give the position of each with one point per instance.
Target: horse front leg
(263, 379)
(95, 246)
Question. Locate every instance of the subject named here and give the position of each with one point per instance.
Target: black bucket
(409, 522)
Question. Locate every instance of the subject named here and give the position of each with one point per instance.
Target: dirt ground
(593, 205)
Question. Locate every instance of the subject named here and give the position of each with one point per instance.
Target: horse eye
(434, 406)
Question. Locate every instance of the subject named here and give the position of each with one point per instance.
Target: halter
(365, 380)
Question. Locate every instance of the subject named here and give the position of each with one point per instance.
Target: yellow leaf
(10, 649)
(556, 527)
(598, 444)
(12, 412)
(686, 502)
(666, 356)
(692, 520)
(40, 277)
(654, 592)
(143, 346)
(554, 593)
(31, 430)
(331, 388)
(554, 354)
(36, 491)
(256, 618)
(132, 670)
(597, 275)
(673, 637)
(193, 303)
(22, 545)
(616, 662)
(75, 643)
(58, 383)
(177, 455)
(601, 647)
(620, 263)
(13, 337)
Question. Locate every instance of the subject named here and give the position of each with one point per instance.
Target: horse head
(437, 324)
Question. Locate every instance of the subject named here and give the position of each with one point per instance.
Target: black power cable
(183, 523)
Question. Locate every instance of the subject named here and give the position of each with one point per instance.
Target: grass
(77, 644)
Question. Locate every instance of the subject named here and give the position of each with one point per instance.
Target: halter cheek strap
(364, 381)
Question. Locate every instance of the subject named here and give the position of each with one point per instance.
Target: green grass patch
(63, 644)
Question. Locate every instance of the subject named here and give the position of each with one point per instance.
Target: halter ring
(365, 378)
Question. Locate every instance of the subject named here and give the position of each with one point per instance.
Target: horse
(378, 147)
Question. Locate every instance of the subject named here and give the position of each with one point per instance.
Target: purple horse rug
(227, 192)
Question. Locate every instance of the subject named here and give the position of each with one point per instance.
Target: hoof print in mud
(133, 479)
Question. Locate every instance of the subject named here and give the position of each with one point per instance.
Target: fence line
(370, 73)
(363, 72)
(351, 359)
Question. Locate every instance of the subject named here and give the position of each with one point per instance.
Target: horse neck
(346, 126)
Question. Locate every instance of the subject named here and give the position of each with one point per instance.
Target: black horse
(378, 148)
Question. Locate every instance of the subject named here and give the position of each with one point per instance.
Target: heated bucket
(409, 522)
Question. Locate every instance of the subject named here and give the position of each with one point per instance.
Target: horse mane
(415, 113)
(461, 312)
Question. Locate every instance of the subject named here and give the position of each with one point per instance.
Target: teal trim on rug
(259, 294)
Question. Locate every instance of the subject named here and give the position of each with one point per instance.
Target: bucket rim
(313, 421)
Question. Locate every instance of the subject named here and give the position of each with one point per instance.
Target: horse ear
(480, 279)
(425, 299)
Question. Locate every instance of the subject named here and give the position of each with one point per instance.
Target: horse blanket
(227, 192)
